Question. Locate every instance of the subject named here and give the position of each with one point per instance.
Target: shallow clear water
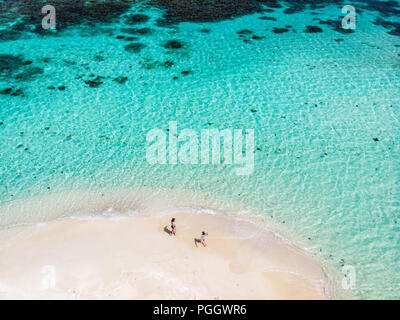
(325, 113)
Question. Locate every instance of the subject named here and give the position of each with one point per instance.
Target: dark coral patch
(12, 92)
(138, 31)
(69, 12)
(205, 11)
(135, 47)
(244, 32)
(29, 73)
(313, 29)
(173, 44)
(95, 83)
(280, 30)
(121, 79)
(267, 18)
(9, 64)
(337, 26)
(136, 18)
(393, 26)
(271, 3)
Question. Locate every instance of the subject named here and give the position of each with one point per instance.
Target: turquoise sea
(76, 104)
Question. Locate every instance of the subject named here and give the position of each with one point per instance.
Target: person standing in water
(203, 238)
(173, 227)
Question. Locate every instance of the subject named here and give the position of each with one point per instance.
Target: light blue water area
(324, 107)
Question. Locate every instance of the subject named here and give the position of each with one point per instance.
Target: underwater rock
(313, 29)
(120, 79)
(244, 32)
(280, 30)
(138, 31)
(9, 64)
(267, 18)
(336, 25)
(29, 73)
(95, 83)
(136, 18)
(12, 92)
(168, 63)
(204, 11)
(173, 44)
(135, 47)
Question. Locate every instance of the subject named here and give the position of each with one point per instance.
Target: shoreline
(237, 234)
(135, 258)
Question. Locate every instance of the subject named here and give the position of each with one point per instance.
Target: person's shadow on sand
(167, 230)
(196, 241)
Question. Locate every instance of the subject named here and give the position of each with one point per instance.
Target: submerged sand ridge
(137, 258)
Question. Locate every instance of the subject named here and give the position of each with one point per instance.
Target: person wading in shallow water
(173, 227)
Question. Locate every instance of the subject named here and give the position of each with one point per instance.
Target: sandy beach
(137, 258)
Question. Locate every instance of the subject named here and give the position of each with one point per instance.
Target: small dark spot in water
(280, 30)
(313, 29)
(253, 110)
(135, 47)
(12, 92)
(131, 38)
(61, 88)
(136, 19)
(98, 58)
(175, 78)
(51, 87)
(267, 18)
(47, 128)
(46, 60)
(1, 123)
(376, 139)
(95, 83)
(20, 146)
(204, 30)
(337, 26)
(244, 32)
(120, 79)
(186, 72)
(28, 62)
(173, 44)
(255, 37)
(120, 37)
(339, 40)
(138, 31)
(168, 63)
(6, 91)
(29, 73)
